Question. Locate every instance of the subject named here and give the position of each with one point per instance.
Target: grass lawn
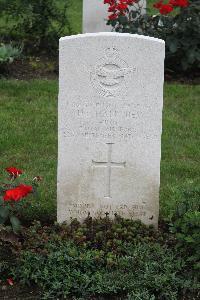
(28, 139)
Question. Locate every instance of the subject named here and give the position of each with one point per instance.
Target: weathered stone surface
(110, 122)
(95, 15)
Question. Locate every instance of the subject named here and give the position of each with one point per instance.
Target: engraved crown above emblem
(110, 76)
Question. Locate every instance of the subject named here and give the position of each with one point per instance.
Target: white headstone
(110, 121)
(95, 15)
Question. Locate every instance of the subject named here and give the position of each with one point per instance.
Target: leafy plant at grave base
(8, 53)
(186, 226)
(178, 23)
(140, 295)
(102, 257)
(37, 23)
(11, 194)
(101, 234)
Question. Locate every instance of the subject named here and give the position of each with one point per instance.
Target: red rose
(14, 172)
(165, 9)
(179, 3)
(17, 193)
(13, 194)
(122, 6)
(25, 189)
(158, 4)
(112, 8)
(113, 17)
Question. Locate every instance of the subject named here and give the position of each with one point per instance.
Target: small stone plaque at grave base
(110, 122)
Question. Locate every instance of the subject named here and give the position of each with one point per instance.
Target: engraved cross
(108, 165)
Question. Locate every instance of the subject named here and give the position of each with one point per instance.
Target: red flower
(158, 4)
(10, 281)
(113, 17)
(111, 2)
(112, 8)
(17, 193)
(179, 3)
(122, 6)
(165, 9)
(14, 172)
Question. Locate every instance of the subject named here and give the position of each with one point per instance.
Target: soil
(191, 78)
(16, 292)
(47, 68)
(31, 293)
(31, 68)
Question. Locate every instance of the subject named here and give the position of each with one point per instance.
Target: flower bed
(177, 22)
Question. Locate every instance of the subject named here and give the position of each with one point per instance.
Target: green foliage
(7, 216)
(98, 258)
(37, 23)
(71, 270)
(140, 294)
(102, 234)
(181, 34)
(186, 226)
(4, 213)
(8, 53)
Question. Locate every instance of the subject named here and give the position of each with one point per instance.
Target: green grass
(180, 167)
(28, 138)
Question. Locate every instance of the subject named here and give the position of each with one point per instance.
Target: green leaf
(184, 64)
(173, 46)
(2, 220)
(15, 224)
(2, 191)
(123, 20)
(172, 43)
(4, 212)
(189, 239)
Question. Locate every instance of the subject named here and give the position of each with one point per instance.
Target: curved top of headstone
(112, 34)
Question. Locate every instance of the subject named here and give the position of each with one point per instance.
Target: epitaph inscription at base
(110, 123)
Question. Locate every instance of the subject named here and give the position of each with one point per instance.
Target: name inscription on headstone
(121, 121)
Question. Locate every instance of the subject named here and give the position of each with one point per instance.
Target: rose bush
(177, 22)
(11, 194)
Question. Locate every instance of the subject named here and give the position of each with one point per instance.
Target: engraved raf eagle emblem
(111, 74)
